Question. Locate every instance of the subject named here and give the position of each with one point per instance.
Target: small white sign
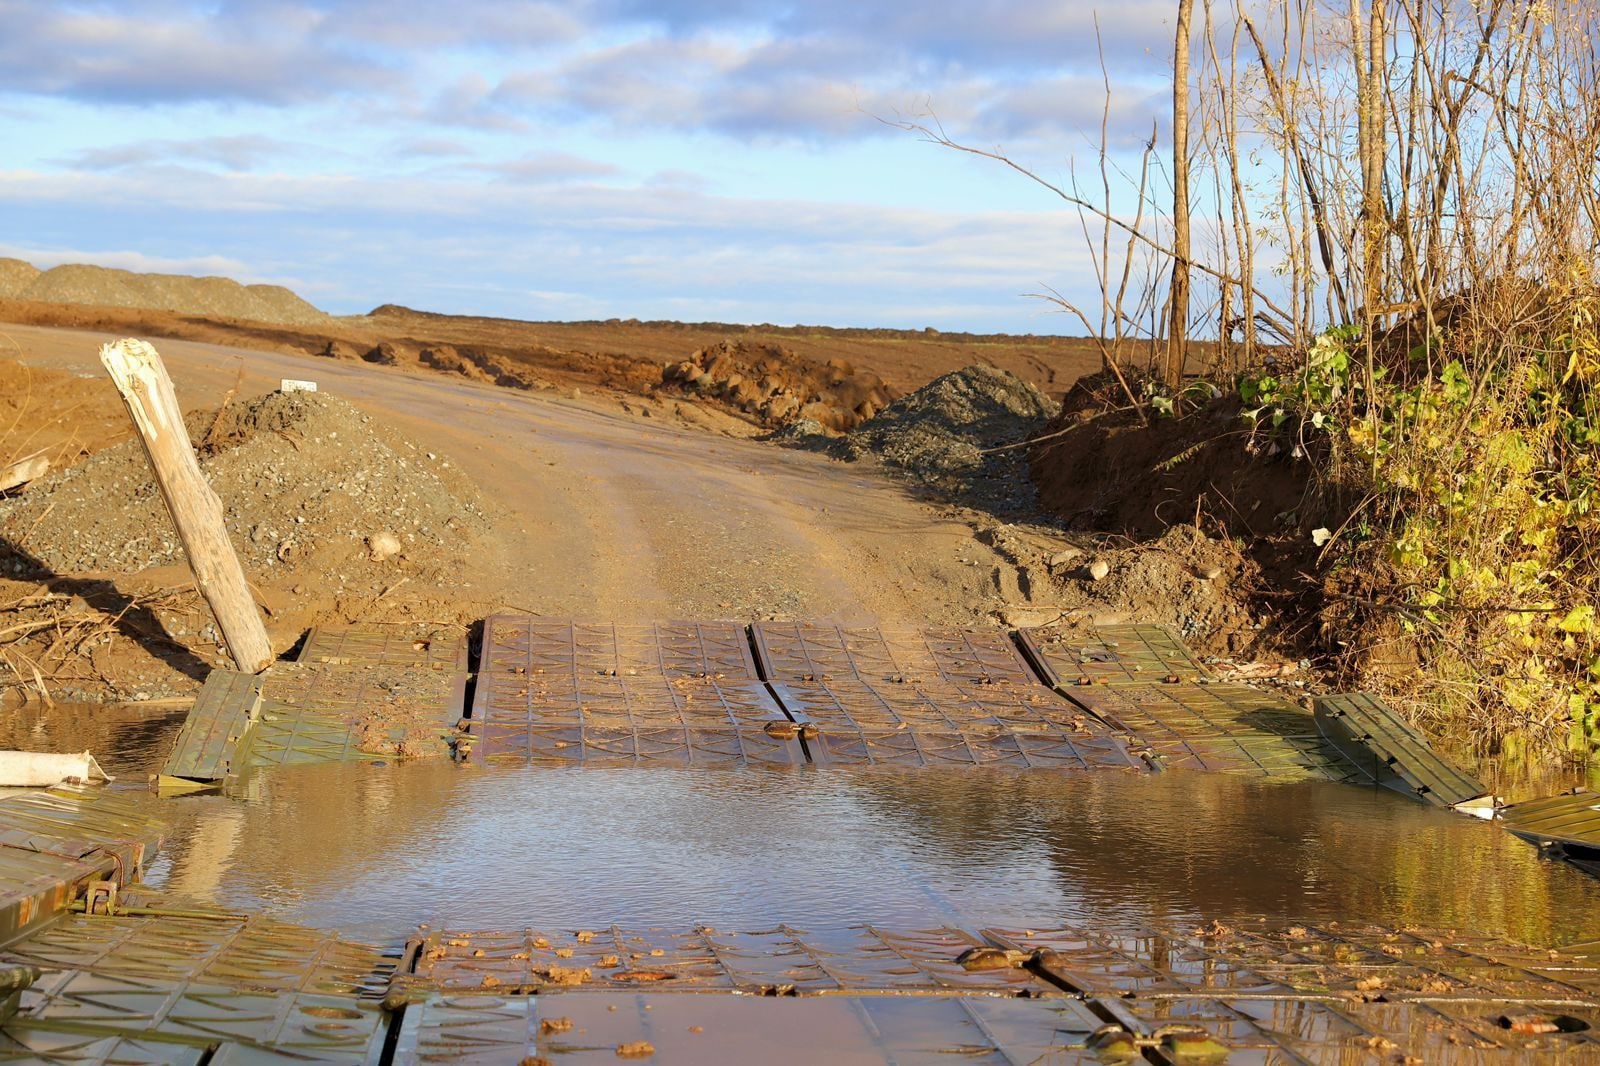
(291, 385)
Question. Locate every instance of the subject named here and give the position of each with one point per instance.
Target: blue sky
(698, 159)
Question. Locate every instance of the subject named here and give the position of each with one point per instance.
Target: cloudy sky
(689, 159)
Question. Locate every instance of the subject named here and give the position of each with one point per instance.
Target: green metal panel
(54, 840)
(1382, 746)
(1569, 820)
(1121, 655)
(206, 748)
(1219, 727)
(423, 645)
(353, 712)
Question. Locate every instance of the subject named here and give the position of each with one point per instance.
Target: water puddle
(374, 850)
(129, 740)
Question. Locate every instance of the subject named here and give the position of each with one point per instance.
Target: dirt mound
(305, 481)
(776, 386)
(944, 434)
(15, 276)
(210, 297)
(1102, 468)
(1196, 586)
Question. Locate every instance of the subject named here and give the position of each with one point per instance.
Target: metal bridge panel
(420, 645)
(1377, 742)
(1122, 655)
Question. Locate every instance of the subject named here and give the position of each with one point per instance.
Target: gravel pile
(77, 283)
(941, 435)
(307, 482)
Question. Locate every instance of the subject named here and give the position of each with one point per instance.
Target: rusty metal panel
(780, 961)
(683, 694)
(1382, 746)
(1146, 962)
(327, 712)
(1122, 655)
(423, 645)
(701, 1029)
(895, 704)
(538, 646)
(206, 748)
(625, 702)
(1568, 820)
(973, 747)
(1218, 727)
(1315, 961)
(670, 745)
(961, 659)
(337, 1027)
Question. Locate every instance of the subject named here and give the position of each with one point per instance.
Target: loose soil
(599, 483)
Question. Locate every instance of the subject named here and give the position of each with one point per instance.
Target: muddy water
(376, 850)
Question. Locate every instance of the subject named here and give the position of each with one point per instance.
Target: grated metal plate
(206, 748)
(1568, 820)
(967, 660)
(423, 645)
(598, 745)
(1123, 655)
(680, 693)
(781, 961)
(573, 1026)
(943, 697)
(974, 747)
(1383, 747)
(538, 646)
(1218, 727)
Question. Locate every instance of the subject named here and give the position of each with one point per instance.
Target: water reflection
(375, 850)
(129, 740)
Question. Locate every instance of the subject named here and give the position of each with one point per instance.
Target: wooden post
(142, 380)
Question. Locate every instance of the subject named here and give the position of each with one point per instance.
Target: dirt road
(605, 513)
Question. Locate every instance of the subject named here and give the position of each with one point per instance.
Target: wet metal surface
(171, 980)
(1219, 727)
(207, 747)
(1382, 746)
(840, 1030)
(327, 711)
(680, 694)
(1257, 958)
(1571, 820)
(781, 961)
(53, 841)
(927, 698)
(353, 712)
(382, 644)
(1123, 655)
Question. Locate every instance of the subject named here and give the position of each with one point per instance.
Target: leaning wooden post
(142, 380)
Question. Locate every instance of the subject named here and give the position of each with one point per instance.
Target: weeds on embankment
(1395, 208)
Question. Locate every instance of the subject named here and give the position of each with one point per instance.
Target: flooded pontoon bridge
(706, 842)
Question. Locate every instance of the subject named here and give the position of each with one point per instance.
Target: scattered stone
(383, 546)
(1099, 570)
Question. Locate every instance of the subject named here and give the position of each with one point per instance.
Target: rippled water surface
(374, 850)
